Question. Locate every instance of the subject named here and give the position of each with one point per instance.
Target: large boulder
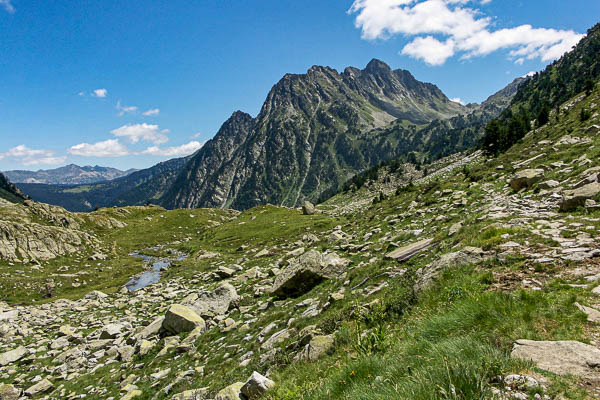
(111, 331)
(231, 392)
(256, 386)
(215, 303)
(308, 208)
(577, 197)
(526, 178)
(12, 356)
(180, 319)
(307, 271)
(317, 346)
(561, 357)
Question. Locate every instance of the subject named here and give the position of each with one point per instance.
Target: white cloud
(430, 50)
(26, 156)
(125, 109)
(145, 132)
(107, 148)
(176, 151)
(529, 74)
(7, 6)
(463, 30)
(196, 135)
(100, 93)
(458, 100)
(152, 112)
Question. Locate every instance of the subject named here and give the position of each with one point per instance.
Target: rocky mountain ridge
(68, 175)
(304, 140)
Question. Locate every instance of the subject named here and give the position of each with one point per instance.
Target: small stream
(153, 275)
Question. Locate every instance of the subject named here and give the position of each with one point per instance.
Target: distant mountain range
(314, 132)
(68, 175)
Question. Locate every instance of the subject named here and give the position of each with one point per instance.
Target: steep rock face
(305, 139)
(214, 159)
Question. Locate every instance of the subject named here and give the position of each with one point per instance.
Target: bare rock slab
(561, 357)
(407, 252)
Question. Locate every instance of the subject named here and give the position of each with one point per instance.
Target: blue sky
(78, 77)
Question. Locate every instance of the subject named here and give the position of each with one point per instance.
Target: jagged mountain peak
(376, 66)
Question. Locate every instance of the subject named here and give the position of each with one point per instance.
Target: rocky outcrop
(25, 242)
(561, 357)
(307, 271)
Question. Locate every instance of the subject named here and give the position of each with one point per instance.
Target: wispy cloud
(100, 93)
(125, 109)
(175, 151)
(26, 156)
(107, 148)
(444, 28)
(7, 6)
(144, 132)
(152, 112)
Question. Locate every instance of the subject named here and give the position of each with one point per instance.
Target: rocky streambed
(153, 274)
